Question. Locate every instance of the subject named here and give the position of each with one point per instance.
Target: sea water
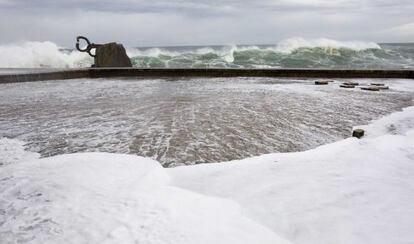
(190, 121)
(289, 53)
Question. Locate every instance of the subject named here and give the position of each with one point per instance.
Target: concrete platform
(156, 73)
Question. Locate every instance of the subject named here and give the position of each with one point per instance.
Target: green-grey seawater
(289, 53)
(383, 56)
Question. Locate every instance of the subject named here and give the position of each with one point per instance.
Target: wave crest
(40, 55)
(292, 44)
(288, 53)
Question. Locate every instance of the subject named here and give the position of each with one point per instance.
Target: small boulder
(346, 86)
(351, 83)
(358, 133)
(321, 82)
(112, 55)
(377, 84)
(370, 88)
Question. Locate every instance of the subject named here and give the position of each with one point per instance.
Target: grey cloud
(207, 5)
(174, 22)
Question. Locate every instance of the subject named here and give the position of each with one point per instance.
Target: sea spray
(292, 44)
(289, 53)
(41, 55)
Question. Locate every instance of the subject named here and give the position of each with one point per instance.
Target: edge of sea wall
(40, 75)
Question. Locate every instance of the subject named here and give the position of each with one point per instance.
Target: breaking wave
(41, 55)
(289, 53)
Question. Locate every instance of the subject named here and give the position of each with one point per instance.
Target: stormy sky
(192, 22)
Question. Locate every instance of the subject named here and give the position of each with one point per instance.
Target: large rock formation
(112, 55)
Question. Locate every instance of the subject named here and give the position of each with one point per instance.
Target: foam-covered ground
(190, 121)
(352, 191)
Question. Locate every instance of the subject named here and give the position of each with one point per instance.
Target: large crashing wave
(289, 53)
(294, 52)
(292, 44)
(41, 55)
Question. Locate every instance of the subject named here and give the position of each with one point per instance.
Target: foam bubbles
(151, 52)
(41, 55)
(281, 55)
(292, 44)
(13, 151)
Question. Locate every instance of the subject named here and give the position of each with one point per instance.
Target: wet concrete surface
(190, 121)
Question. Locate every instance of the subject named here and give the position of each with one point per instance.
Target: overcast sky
(192, 22)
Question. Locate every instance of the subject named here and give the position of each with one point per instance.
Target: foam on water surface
(189, 121)
(289, 53)
(13, 151)
(351, 191)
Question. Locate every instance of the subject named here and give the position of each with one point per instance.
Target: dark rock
(321, 82)
(370, 88)
(377, 84)
(383, 87)
(112, 55)
(346, 86)
(351, 83)
(358, 133)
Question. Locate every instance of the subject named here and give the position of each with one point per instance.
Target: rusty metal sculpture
(88, 48)
(105, 55)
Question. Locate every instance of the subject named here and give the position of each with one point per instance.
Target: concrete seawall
(47, 75)
(155, 73)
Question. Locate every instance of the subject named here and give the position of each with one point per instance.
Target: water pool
(190, 121)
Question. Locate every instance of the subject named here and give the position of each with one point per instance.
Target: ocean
(289, 53)
(191, 121)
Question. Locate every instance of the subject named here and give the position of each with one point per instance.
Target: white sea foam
(41, 54)
(152, 52)
(291, 44)
(352, 191)
(284, 46)
(13, 151)
(48, 54)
